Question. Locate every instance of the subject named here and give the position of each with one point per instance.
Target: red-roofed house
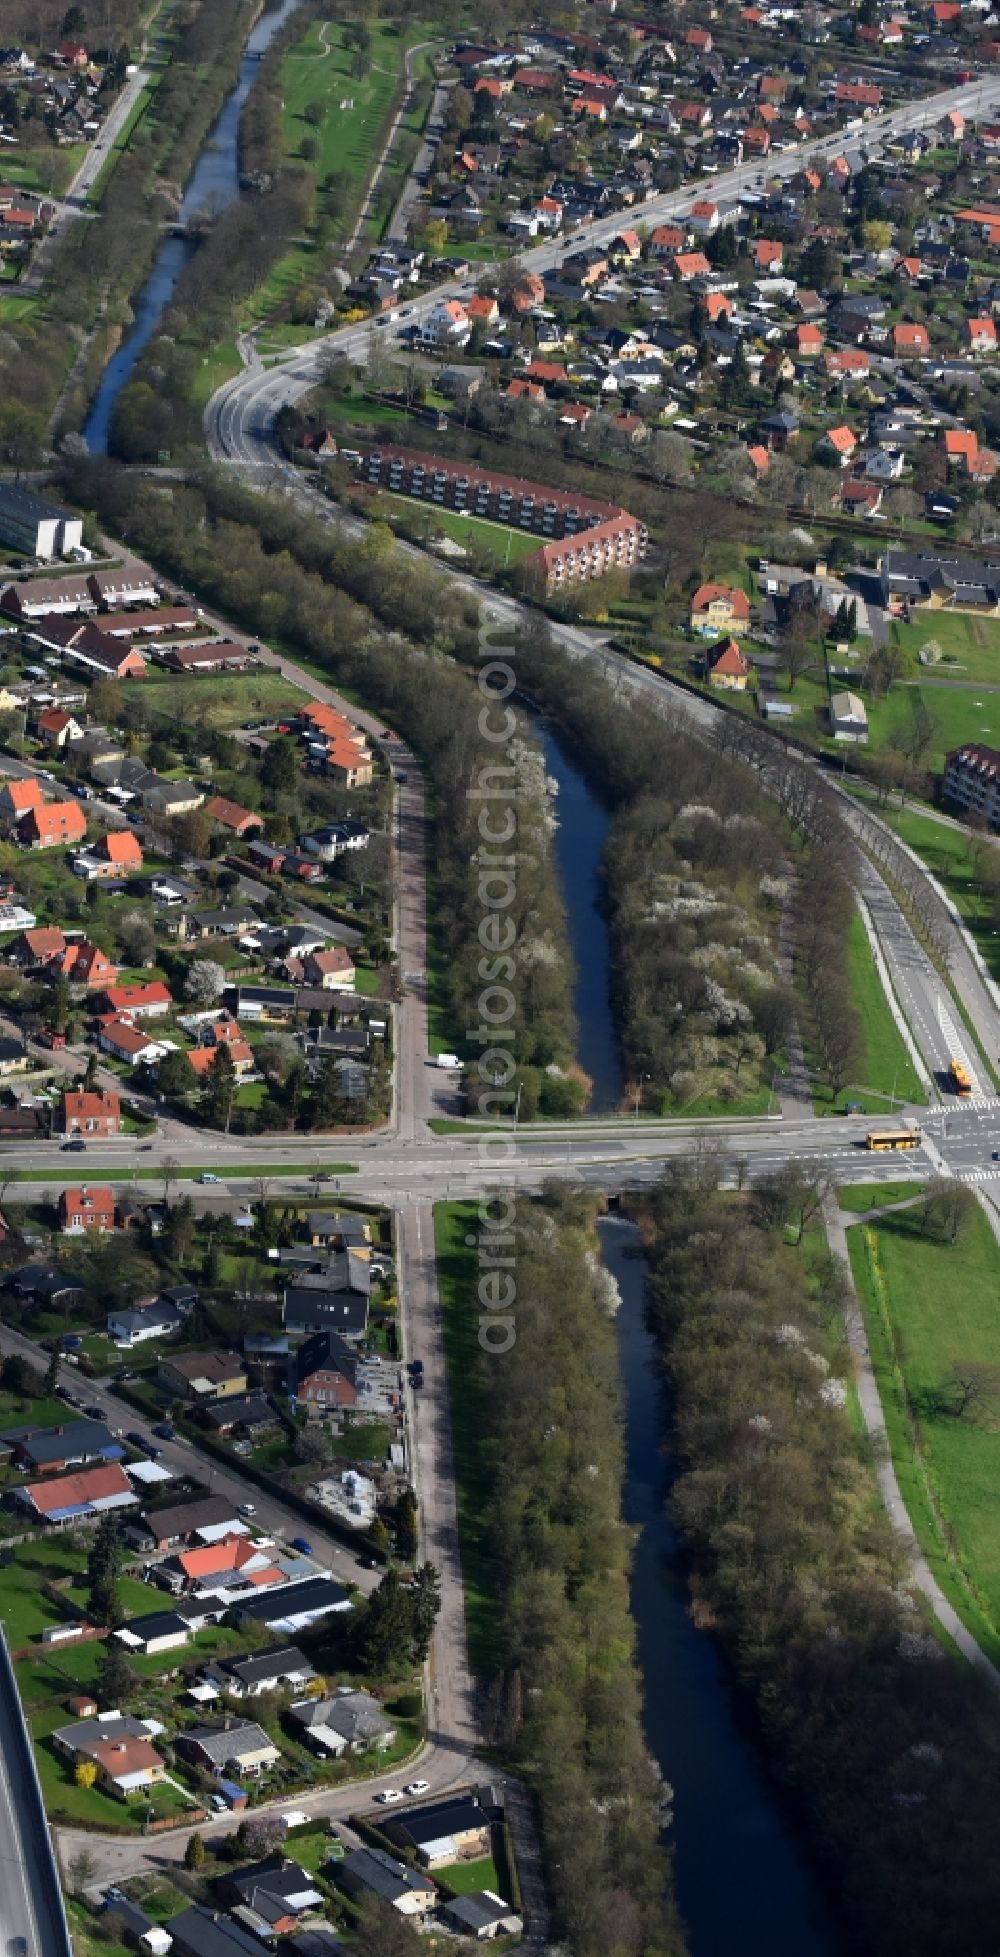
(691, 265)
(229, 815)
(858, 95)
(910, 340)
(18, 797)
(840, 442)
(138, 1001)
(704, 219)
(52, 823)
(96, 1113)
(843, 363)
(332, 970)
(522, 390)
(760, 459)
(86, 1208)
(981, 335)
(719, 608)
(240, 1053)
(62, 1498)
(716, 306)
(83, 963)
(55, 727)
(808, 341)
(666, 239)
(728, 667)
(769, 255)
(483, 309)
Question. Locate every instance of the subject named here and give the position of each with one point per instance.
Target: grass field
(973, 644)
(457, 1273)
(958, 714)
(928, 1307)
(474, 533)
(316, 74)
(861, 1196)
(885, 1064)
(216, 703)
(464, 1878)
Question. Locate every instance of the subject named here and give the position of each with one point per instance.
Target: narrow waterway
(579, 846)
(743, 1883)
(214, 183)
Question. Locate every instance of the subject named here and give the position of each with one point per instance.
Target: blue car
(304, 1548)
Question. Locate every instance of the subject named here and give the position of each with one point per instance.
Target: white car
(246, 1508)
(419, 1787)
(388, 1795)
(207, 1176)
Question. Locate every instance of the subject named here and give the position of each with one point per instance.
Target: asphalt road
(30, 1903)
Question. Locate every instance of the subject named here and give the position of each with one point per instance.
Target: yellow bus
(878, 1138)
(960, 1077)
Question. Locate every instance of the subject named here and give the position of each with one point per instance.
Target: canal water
(214, 183)
(743, 1883)
(579, 846)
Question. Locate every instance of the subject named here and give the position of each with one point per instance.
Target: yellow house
(728, 667)
(203, 1376)
(718, 608)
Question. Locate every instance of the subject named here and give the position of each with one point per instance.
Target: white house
(446, 325)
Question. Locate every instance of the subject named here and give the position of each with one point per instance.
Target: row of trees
(888, 1747)
(564, 1696)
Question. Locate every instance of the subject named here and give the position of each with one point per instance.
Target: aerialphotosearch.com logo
(494, 788)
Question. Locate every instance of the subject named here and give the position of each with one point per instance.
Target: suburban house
(118, 854)
(238, 1746)
(335, 1302)
(347, 1722)
(121, 1748)
(87, 1208)
(331, 970)
(728, 667)
(271, 1896)
(95, 1113)
(199, 1932)
(156, 1321)
(53, 1450)
(137, 1000)
(19, 797)
(229, 815)
(203, 1521)
(50, 824)
(290, 1608)
(456, 1830)
(718, 608)
(938, 580)
(284, 1670)
(371, 1872)
(202, 1375)
(68, 1498)
(136, 1928)
(323, 1373)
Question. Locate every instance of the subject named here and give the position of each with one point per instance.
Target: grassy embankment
(930, 1307)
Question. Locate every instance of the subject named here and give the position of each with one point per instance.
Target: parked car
(135, 1439)
(72, 1342)
(95, 1412)
(388, 1795)
(164, 1431)
(246, 1508)
(419, 1787)
(304, 1548)
(218, 1804)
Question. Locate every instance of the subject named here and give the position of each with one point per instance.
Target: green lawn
(885, 1063)
(958, 714)
(971, 645)
(216, 703)
(475, 534)
(862, 1196)
(464, 1878)
(456, 1269)
(929, 1307)
(87, 1804)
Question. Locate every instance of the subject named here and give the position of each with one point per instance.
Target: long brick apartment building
(580, 538)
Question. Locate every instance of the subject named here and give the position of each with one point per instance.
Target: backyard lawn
(930, 1309)
(957, 713)
(464, 1878)
(474, 534)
